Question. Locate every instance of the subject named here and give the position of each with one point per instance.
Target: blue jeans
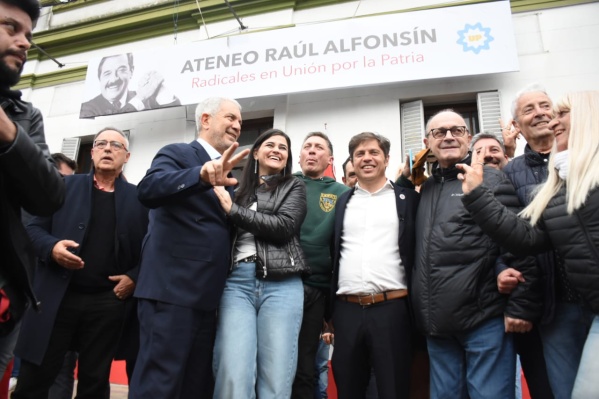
(321, 366)
(587, 384)
(257, 333)
(563, 341)
(478, 363)
(518, 378)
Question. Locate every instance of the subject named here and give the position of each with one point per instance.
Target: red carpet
(118, 375)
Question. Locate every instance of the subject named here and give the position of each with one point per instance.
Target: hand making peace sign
(472, 175)
(215, 172)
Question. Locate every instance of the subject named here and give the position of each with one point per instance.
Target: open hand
(61, 253)
(224, 197)
(149, 84)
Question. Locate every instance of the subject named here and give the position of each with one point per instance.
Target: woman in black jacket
(564, 215)
(260, 312)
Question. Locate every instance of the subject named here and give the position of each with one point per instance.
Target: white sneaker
(12, 384)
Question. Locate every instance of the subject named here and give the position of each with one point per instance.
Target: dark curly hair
(30, 7)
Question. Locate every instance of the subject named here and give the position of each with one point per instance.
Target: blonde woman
(564, 215)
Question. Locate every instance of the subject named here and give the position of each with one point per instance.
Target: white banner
(443, 42)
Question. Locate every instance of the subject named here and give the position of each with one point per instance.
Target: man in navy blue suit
(186, 257)
(88, 255)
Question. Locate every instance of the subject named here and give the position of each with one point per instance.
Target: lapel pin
(402, 196)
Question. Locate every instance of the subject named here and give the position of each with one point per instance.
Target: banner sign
(443, 42)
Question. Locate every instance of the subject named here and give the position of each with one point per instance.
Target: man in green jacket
(315, 237)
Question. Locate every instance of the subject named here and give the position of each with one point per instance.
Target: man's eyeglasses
(456, 131)
(101, 144)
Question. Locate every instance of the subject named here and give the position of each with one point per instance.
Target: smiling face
(560, 125)
(490, 152)
(370, 163)
(448, 150)
(350, 179)
(115, 75)
(533, 114)
(272, 155)
(315, 157)
(15, 36)
(110, 159)
(223, 128)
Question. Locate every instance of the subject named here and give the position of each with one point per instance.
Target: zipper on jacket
(587, 235)
(264, 264)
(290, 254)
(428, 256)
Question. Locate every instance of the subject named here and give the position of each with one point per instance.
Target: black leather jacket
(276, 226)
(29, 181)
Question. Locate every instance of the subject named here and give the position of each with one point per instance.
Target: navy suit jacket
(186, 253)
(406, 202)
(70, 222)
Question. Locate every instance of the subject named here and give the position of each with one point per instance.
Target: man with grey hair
(525, 302)
(186, 257)
(565, 322)
(88, 253)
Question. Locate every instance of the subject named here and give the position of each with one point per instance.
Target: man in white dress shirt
(373, 256)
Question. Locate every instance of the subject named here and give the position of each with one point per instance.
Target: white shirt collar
(209, 149)
(387, 185)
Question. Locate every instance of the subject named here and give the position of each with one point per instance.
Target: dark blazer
(186, 253)
(70, 222)
(406, 202)
(29, 181)
(99, 106)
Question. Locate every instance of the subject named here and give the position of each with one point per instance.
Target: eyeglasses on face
(456, 131)
(101, 144)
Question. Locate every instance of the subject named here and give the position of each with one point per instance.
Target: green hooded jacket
(317, 230)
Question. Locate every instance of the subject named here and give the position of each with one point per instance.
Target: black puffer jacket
(575, 237)
(454, 284)
(276, 226)
(526, 172)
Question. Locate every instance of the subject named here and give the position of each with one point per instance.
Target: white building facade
(552, 43)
